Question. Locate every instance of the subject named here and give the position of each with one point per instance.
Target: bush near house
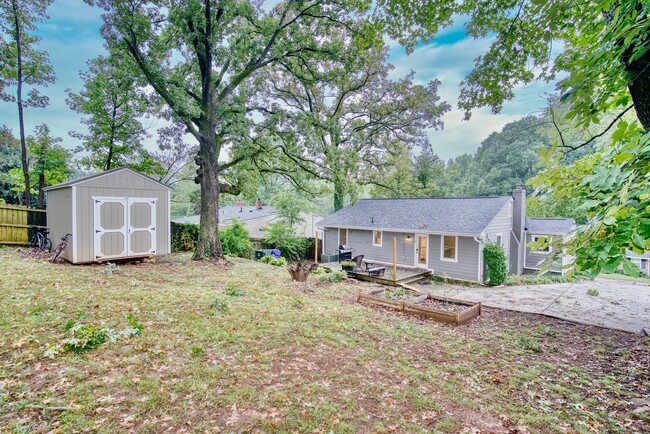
(496, 264)
(184, 236)
(235, 239)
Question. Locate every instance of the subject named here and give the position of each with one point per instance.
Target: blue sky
(71, 37)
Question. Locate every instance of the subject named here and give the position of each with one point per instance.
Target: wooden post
(394, 258)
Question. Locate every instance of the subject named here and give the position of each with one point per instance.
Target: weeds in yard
(333, 276)
(298, 303)
(593, 292)
(529, 344)
(234, 291)
(80, 337)
(219, 305)
(110, 268)
(547, 331)
(197, 352)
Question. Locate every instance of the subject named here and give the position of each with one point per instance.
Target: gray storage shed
(112, 215)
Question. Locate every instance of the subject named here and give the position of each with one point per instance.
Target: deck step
(416, 278)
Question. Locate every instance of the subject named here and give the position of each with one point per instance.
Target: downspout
(479, 240)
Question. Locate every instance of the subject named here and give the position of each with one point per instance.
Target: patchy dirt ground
(243, 349)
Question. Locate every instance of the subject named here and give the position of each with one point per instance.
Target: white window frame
(374, 238)
(347, 236)
(499, 239)
(548, 249)
(442, 248)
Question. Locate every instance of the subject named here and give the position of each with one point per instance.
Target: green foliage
(111, 106)
(395, 294)
(290, 205)
(283, 237)
(320, 270)
(235, 240)
(80, 337)
(536, 279)
(110, 268)
(184, 236)
(278, 262)
(219, 305)
(496, 264)
(593, 292)
(334, 276)
(234, 291)
(529, 344)
(348, 263)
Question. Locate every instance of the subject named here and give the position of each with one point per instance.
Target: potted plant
(348, 265)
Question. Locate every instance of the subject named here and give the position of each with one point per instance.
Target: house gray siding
(501, 225)
(535, 261)
(362, 242)
(331, 242)
(467, 267)
(59, 218)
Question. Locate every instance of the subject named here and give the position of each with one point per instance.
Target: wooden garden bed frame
(412, 307)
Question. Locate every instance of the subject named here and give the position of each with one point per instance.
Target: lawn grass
(618, 276)
(244, 349)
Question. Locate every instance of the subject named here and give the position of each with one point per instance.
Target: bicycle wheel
(47, 245)
(34, 244)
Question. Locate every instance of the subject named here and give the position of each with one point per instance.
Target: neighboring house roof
(227, 213)
(550, 226)
(630, 254)
(99, 175)
(457, 215)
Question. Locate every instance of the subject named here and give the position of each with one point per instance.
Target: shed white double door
(124, 226)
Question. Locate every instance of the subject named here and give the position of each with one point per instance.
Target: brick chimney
(240, 203)
(518, 227)
(258, 204)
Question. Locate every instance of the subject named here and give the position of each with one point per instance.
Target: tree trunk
(41, 186)
(19, 100)
(339, 195)
(639, 86)
(209, 245)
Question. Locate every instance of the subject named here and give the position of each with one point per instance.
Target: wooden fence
(17, 223)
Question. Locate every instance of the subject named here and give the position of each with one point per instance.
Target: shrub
(333, 276)
(236, 241)
(111, 268)
(219, 305)
(283, 237)
(278, 262)
(184, 236)
(320, 270)
(593, 292)
(496, 264)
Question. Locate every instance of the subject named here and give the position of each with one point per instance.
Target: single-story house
(256, 218)
(444, 235)
(640, 260)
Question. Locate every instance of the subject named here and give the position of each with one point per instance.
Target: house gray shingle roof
(551, 226)
(227, 213)
(468, 215)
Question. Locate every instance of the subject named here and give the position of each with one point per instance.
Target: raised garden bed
(426, 305)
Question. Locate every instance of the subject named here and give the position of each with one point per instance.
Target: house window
(537, 238)
(343, 236)
(376, 238)
(449, 248)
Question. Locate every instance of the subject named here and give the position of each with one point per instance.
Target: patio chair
(358, 260)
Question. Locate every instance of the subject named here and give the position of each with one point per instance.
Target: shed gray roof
(457, 215)
(227, 213)
(551, 226)
(100, 174)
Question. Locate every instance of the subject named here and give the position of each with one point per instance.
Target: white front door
(422, 251)
(124, 226)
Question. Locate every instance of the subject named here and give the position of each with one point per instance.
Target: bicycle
(40, 240)
(60, 248)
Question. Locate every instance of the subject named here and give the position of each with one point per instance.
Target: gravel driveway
(619, 305)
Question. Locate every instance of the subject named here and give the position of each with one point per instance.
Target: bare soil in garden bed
(443, 305)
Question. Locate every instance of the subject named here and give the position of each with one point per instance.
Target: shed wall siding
(112, 187)
(467, 267)
(501, 225)
(535, 261)
(59, 218)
